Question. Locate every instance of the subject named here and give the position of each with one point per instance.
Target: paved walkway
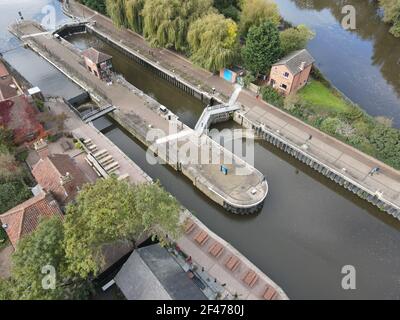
(322, 146)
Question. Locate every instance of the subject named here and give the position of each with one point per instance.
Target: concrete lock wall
(317, 165)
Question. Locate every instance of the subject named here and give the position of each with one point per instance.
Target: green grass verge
(322, 98)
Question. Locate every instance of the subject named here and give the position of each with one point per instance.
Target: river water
(309, 227)
(363, 63)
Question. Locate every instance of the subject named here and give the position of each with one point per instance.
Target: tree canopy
(112, 210)
(116, 11)
(133, 12)
(213, 41)
(256, 12)
(262, 48)
(392, 15)
(98, 5)
(295, 38)
(166, 22)
(34, 253)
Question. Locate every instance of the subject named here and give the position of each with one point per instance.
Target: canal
(309, 227)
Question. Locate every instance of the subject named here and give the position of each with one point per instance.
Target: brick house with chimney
(98, 63)
(24, 218)
(60, 175)
(291, 73)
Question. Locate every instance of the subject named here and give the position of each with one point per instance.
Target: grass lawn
(322, 98)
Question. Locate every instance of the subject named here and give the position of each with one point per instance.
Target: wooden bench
(189, 226)
(232, 263)
(201, 238)
(250, 278)
(216, 249)
(270, 293)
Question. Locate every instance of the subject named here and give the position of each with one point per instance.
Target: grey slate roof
(294, 61)
(96, 56)
(151, 273)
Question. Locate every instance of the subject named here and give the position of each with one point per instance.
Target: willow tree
(256, 12)
(213, 41)
(116, 10)
(166, 22)
(133, 12)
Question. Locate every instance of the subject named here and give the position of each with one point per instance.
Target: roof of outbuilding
(24, 218)
(96, 56)
(151, 273)
(294, 61)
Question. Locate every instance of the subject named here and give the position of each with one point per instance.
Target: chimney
(302, 65)
(65, 179)
(41, 148)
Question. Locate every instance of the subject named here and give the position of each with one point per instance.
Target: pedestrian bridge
(218, 113)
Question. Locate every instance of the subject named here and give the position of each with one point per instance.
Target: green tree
(295, 38)
(229, 8)
(213, 42)
(112, 210)
(116, 11)
(392, 15)
(13, 193)
(134, 16)
(256, 12)
(42, 248)
(166, 22)
(98, 5)
(262, 48)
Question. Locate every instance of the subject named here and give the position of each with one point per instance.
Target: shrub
(272, 96)
(248, 79)
(331, 125)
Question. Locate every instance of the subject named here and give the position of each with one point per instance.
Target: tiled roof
(24, 218)
(96, 56)
(48, 173)
(295, 60)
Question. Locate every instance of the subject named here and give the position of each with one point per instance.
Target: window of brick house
(286, 74)
(284, 86)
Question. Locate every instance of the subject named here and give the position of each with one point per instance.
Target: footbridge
(218, 113)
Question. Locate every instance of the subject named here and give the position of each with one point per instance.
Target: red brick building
(61, 176)
(292, 72)
(98, 63)
(24, 218)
